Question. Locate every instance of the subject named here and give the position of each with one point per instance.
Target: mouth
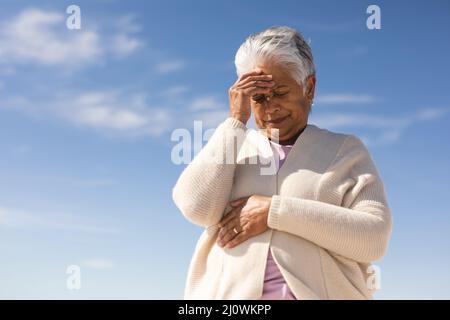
(277, 120)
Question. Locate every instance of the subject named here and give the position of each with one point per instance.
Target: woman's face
(287, 108)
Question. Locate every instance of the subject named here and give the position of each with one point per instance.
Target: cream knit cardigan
(328, 219)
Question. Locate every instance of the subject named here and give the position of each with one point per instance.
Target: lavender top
(275, 286)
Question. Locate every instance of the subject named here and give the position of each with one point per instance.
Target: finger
(251, 91)
(257, 83)
(230, 215)
(233, 223)
(228, 236)
(250, 73)
(230, 232)
(237, 202)
(264, 77)
(227, 226)
(256, 90)
(252, 80)
(238, 239)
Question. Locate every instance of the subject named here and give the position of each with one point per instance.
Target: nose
(270, 105)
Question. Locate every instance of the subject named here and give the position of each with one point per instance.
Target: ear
(310, 87)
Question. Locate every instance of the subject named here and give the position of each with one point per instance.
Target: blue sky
(86, 118)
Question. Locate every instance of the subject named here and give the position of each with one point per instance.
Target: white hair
(282, 45)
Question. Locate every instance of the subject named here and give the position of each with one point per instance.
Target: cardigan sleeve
(352, 217)
(204, 187)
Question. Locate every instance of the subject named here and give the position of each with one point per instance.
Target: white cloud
(37, 36)
(98, 264)
(344, 98)
(127, 23)
(124, 43)
(111, 111)
(40, 37)
(170, 66)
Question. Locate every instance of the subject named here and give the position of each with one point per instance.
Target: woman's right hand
(248, 85)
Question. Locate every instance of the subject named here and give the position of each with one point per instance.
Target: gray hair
(284, 45)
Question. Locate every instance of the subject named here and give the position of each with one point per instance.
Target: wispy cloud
(21, 149)
(98, 264)
(127, 23)
(206, 102)
(344, 98)
(175, 91)
(118, 113)
(6, 70)
(209, 118)
(387, 129)
(207, 108)
(356, 51)
(78, 181)
(169, 66)
(18, 103)
(14, 218)
(430, 113)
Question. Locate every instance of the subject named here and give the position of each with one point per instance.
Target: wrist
(241, 117)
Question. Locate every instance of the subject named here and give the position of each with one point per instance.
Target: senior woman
(309, 231)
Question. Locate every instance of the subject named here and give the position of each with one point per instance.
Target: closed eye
(261, 97)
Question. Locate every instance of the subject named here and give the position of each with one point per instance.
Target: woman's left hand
(248, 217)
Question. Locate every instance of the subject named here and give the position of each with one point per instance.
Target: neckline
(280, 146)
(301, 141)
(293, 139)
